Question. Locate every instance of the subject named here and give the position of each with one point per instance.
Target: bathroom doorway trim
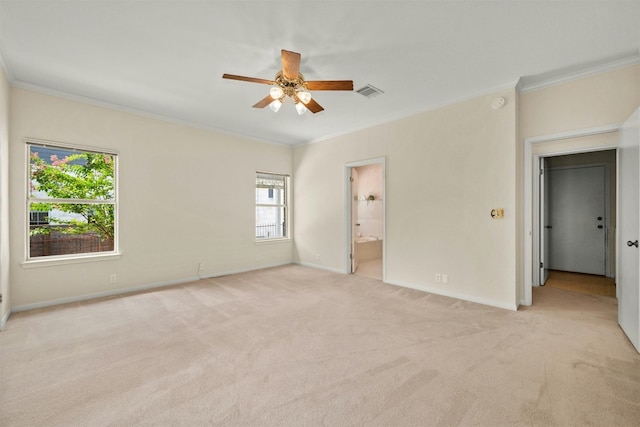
(347, 212)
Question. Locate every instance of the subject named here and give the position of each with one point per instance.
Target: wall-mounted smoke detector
(369, 91)
(498, 103)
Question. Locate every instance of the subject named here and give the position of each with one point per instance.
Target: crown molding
(531, 83)
(4, 66)
(405, 114)
(141, 113)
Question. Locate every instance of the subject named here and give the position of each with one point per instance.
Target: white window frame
(68, 258)
(285, 204)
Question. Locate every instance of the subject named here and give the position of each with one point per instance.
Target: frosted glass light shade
(300, 108)
(276, 92)
(275, 105)
(304, 96)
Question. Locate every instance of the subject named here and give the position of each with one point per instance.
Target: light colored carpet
(294, 346)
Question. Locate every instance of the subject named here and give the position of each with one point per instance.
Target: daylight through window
(271, 206)
(72, 201)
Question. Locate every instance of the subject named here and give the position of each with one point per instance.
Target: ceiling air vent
(369, 91)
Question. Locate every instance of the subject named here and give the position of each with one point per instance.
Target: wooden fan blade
(248, 79)
(290, 64)
(264, 102)
(330, 85)
(312, 105)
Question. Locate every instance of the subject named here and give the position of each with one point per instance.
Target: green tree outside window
(77, 188)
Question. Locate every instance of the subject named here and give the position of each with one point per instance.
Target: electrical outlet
(445, 278)
(113, 278)
(438, 278)
(201, 266)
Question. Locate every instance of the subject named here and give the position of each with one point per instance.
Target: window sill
(267, 241)
(51, 261)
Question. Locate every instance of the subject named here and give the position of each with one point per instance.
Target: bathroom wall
(370, 211)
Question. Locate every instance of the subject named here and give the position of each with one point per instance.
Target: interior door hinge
(541, 265)
(351, 256)
(351, 179)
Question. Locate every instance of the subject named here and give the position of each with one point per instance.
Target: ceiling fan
(289, 82)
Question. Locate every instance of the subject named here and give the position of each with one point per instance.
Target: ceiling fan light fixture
(275, 105)
(300, 108)
(304, 96)
(289, 83)
(276, 92)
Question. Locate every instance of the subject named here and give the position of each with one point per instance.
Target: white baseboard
(464, 297)
(320, 267)
(4, 319)
(123, 291)
(109, 293)
(150, 286)
(243, 270)
(425, 288)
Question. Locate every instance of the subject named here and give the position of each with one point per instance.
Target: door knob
(630, 243)
(599, 226)
(599, 218)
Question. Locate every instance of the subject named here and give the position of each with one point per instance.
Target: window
(38, 218)
(72, 201)
(271, 206)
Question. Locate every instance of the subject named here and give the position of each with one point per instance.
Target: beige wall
(445, 170)
(600, 101)
(186, 196)
(519, 225)
(4, 198)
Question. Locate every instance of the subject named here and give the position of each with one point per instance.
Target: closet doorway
(577, 213)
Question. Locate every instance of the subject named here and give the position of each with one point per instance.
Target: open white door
(628, 272)
(544, 223)
(354, 218)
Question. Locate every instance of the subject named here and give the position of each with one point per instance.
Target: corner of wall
(638, 69)
(5, 306)
(4, 319)
(519, 223)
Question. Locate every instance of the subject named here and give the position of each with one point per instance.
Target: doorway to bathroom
(365, 222)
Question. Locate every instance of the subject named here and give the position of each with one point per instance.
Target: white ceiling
(166, 58)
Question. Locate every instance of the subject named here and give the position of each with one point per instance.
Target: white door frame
(354, 208)
(543, 212)
(347, 204)
(532, 192)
